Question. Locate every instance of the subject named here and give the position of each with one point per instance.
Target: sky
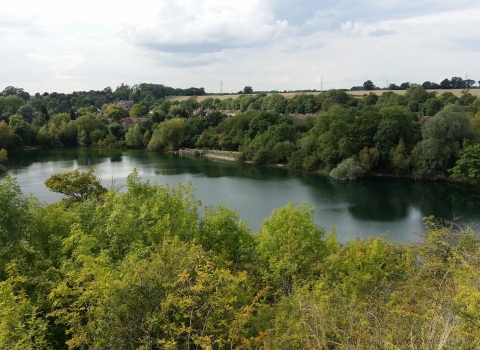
(65, 46)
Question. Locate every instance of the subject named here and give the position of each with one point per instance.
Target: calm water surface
(368, 207)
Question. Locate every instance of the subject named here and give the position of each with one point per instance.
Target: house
(126, 104)
(126, 122)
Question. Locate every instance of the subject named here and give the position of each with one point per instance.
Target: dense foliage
(142, 269)
(415, 134)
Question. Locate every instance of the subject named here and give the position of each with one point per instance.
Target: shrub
(348, 169)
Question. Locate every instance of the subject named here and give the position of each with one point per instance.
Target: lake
(367, 207)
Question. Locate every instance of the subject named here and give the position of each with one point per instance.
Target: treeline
(454, 83)
(416, 134)
(143, 269)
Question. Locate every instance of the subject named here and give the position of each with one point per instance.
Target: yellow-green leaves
(79, 186)
(290, 246)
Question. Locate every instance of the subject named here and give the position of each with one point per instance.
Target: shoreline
(232, 156)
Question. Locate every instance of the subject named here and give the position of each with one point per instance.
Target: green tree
(248, 90)
(138, 110)
(368, 85)
(368, 158)
(134, 136)
(467, 167)
(3, 155)
(168, 135)
(348, 169)
(10, 104)
(397, 123)
(399, 159)
(443, 136)
(433, 106)
(290, 247)
(6, 135)
(22, 129)
(27, 111)
(178, 111)
(223, 232)
(116, 112)
(78, 186)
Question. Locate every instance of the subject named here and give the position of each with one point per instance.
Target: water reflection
(356, 209)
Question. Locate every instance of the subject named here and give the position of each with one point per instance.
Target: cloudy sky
(54, 45)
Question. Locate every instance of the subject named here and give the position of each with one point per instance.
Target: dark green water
(369, 207)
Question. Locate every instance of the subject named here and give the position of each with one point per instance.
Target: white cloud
(270, 44)
(186, 27)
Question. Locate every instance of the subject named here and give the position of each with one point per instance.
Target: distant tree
(27, 111)
(138, 110)
(445, 84)
(433, 106)
(45, 113)
(469, 83)
(11, 90)
(457, 83)
(404, 86)
(393, 87)
(134, 136)
(427, 85)
(348, 169)
(177, 111)
(371, 99)
(467, 167)
(72, 114)
(443, 136)
(248, 90)
(116, 112)
(3, 155)
(368, 85)
(116, 130)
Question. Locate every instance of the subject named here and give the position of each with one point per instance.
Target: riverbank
(222, 155)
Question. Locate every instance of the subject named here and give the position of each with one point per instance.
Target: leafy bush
(348, 169)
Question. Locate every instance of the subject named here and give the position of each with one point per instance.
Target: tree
(116, 112)
(348, 169)
(248, 90)
(433, 106)
(178, 111)
(138, 110)
(397, 123)
(443, 136)
(3, 155)
(134, 136)
(368, 158)
(6, 135)
(371, 99)
(368, 85)
(399, 159)
(9, 105)
(457, 83)
(78, 186)
(445, 84)
(467, 168)
(223, 232)
(168, 135)
(469, 83)
(290, 246)
(116, 130)
(27, 111)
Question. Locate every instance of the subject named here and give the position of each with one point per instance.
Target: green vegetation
(3, 159)
(416, 134)
(143, 269)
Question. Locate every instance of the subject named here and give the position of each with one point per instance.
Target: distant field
(457, 92)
